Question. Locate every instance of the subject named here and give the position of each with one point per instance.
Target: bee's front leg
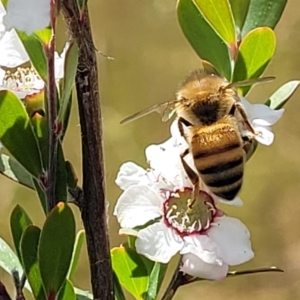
(243, 114)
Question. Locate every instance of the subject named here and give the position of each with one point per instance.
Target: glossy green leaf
(10, 168)
(42, 195)
(35, 52)
(72, 179)
(45, 35)
(283, 94)
(70, 69)
(239, 9)
(80, 238)
(208, 45)
(131, 271)
(16, 133)
(8, 259)
(156, 279)
(218, 14)
(56, 247)
(19, 221)
(67, 291)
(263, 13)
(40, 127)
(29, 252)
(61, 192)
(255, 53)
(118, 292)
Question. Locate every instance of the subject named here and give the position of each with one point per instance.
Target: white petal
(131, 174)
(265, 136)
(194, 266)
(12, 51)
(137, 205)
(232, 239)
(158, 242)
(164, 159)
(60, 61)
(203, 247)
(27, 15)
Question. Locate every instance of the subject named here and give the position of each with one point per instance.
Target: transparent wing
(250, 82)
(166, 110)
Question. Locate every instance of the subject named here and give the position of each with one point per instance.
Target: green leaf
(80, 238)
(17, 135)
(45, 35)
(10, 168)
(119, 295)
(61, 176)
(29, 252)
(35, 52)
(72, 179)
(263, 13)
(208, 45)
(19, 221)
(283, 94)
(67, 292)
(40, 127)
(70, 69)
(218, 14)
(56, 247)
(239, 9)
(255, 53)
(156, 279)
(8, 258)
(131, 271)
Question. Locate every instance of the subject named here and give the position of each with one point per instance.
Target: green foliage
(283, 94)
(19, 221)
(29, 251)
(255, 53)
(130, 270)
(56, 247)
(35, 51)
(70, 68)
(263, 13)
(202, 37)
(155, 280)
(67, 291)
(10, 168)
(80, 239)
(16, 133)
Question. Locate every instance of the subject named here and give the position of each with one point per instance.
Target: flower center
(23, 79)
(188, 215)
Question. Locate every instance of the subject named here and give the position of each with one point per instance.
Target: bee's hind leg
(193, 176)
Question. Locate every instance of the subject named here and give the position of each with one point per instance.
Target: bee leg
(193, 176)
(243, 114)
(249, 145)
(181, 121)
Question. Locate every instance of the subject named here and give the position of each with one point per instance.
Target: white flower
(208, 240)
(27, 15)
(12, 51)
(261, 118)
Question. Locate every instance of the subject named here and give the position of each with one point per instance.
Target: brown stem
(3, 293)
(52, 115)
(93, 205)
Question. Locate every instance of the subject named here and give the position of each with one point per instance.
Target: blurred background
(151, 57)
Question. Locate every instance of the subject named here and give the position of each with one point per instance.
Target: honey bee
(215, 125)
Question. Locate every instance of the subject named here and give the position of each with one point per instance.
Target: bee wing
(166, 110)
(250, 82)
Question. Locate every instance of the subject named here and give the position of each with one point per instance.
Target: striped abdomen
(219, 157)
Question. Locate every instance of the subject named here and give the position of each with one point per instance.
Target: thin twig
(52, 115)
(93, 206)
(19, 284)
